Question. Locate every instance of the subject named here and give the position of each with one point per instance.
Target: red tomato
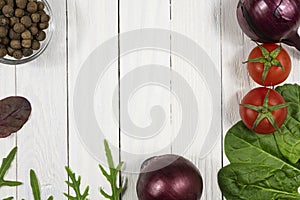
(275, 74)
(256, 98)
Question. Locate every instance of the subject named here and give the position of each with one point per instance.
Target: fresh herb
(75, 184)
(9, 198)
(264, 166)
(14, 113)
(35, 186)
(112, 175)
(6, 164)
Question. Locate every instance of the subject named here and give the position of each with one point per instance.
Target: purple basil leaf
(14, 113)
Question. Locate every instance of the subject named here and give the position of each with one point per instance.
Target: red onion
(169, 177)
(270, 20)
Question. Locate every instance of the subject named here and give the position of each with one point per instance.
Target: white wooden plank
(43, 143)
(90, 24)
(144, 91)
(7, 88)
(236, 81)
(200, 22)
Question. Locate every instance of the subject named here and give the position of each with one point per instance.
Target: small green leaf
(6, 164)
(9, 198)
(111, 177)
(35, 185)
(75, 184)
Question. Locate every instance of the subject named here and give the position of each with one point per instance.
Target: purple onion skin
(270, 21)
(169, 177)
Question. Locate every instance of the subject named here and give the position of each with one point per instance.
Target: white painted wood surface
(51, 140)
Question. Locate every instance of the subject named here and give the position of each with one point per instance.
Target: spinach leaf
(264, 167)
(14, 113)
(258, 170)
(288, 141)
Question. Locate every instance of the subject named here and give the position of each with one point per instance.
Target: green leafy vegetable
(75, 184)
(35, 186)
(112, 175)
(264, 167)
(288, 142)
(6, 164)
(258, 170)
(9, 198)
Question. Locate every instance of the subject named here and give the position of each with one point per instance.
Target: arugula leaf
(112, 175)
(35, 186)
(75, 184)
(264, 166)
(9, 198)
(6, 164)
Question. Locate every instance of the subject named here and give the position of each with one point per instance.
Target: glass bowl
(44, 44)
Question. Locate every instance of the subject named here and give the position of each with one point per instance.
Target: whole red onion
(270, 20)
(169, 177)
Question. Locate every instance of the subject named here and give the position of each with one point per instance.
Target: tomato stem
(265, 111)
(268, 59)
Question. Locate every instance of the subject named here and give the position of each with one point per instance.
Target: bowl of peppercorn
(26, 28)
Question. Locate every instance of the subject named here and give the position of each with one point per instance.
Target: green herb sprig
(6, 164)
(75, 184)
(35, 186)
(112, 175)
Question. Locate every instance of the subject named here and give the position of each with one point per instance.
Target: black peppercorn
(18, 54)
(27, 52)
(26, 35)
(3, 31)
(43, 25)
(45, 18)
(21, 3)
(35, 45)
(32, 7)
(3, 52)
(2, 3)
(19, 12)
(10, 2)
(26, 43)
(13, 35)
(34, 30)
(35, 17)
(5, 41)
(40, 36)
(10, 51)
(15, 44)
(3, 20)
(26, 20)
(8, 11)
(19, 28)
(40, 5)
(13, 21)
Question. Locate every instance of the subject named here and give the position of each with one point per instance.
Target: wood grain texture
(90, 24)
(148, 93)
(235, 79)
(204, 29)
(7, 88)
(43, 141)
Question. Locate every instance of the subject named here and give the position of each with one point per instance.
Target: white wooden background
(49, 140)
